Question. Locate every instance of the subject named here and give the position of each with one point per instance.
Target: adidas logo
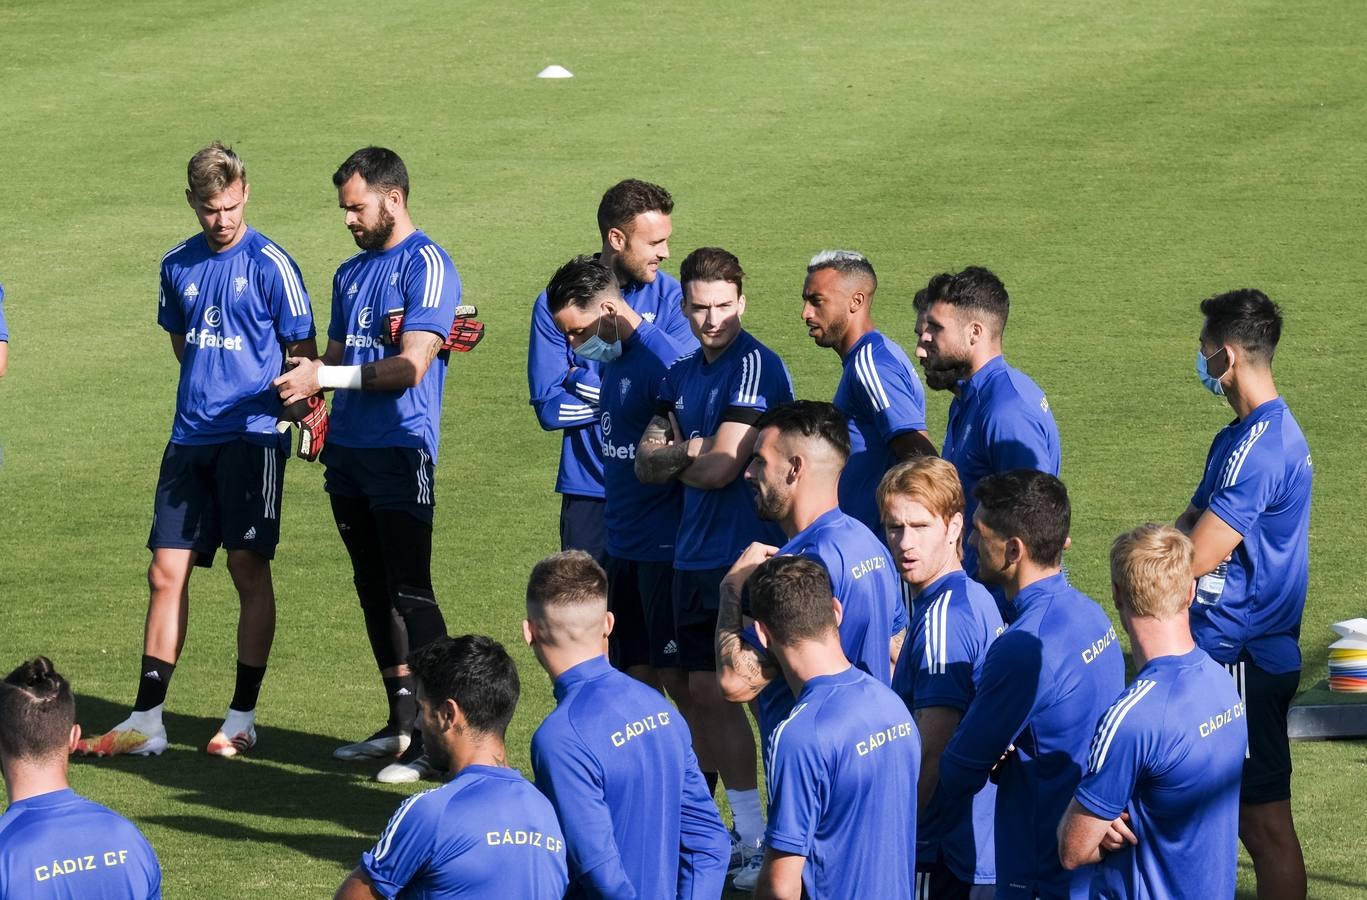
(153, 675)
(671, 647)
(192, 291)
(351, 291)
(403, 692)
(649, 317)
(251, 533)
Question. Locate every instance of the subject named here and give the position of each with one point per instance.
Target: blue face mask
(1203, 372)
(595, 349)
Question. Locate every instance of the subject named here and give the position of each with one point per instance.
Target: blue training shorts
(219, 495)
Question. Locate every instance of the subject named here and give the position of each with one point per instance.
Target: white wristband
(343, 377)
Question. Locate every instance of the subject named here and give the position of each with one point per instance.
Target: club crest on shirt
(1044, 404)
(239, 284)
(393, 278)
(711, 402)
(623, 385)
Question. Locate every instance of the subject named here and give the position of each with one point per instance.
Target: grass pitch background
(1114, 166)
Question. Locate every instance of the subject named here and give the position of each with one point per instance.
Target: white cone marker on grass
(555, 72)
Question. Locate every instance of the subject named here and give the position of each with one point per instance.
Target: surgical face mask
(595, 349)
(1203, 372)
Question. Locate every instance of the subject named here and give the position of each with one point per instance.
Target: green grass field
(1114, 164)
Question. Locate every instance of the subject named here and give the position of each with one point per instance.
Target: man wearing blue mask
(1250, 523)
(632, 354)
(635, 225)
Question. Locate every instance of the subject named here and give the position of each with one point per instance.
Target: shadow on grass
(266, 783)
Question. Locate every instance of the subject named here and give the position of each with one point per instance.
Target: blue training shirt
(564, 388)
(641, 519)
(747, 379)
(236, 309)
(1170, 750)
(953, 623)
(881, 397)
(4, 326)
(1257, 480)
(842, 774)
(999, 421)
(485, 833)
(1045, 684)
(60, 845)
(865, 583)
(418, 277)
(616, 760)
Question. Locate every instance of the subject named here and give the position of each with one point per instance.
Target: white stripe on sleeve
(294, 290)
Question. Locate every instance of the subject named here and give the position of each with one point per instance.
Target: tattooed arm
(742, 669)
(660, 456)
(895, 646)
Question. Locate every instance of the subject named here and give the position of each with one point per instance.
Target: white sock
(148, 721)
(749, 820)
(236, 722)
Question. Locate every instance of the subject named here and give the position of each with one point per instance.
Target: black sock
(155, 678)
(248, 687)
(403, 704)
(711, 778)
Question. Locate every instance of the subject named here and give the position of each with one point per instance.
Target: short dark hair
(810, 418)
(37, 711)
(792, 596)
(1245, 317)
(846, 262)
(476, 672)
(378, 167)
(928, 294)
(577, 282)
(567, 578)
(626, 200)
(1030, 505)
(712, 264)
(975, 289)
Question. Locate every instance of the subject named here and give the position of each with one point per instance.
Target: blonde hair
(213, 169)
(1151, 570)
(929, 480)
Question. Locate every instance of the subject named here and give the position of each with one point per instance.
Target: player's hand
(995, 771)
(300, 381)
(465, 334)
(753, 557)
(311, 415)
(1118, 835)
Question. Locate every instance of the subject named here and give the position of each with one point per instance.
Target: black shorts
(398, 478)
(582, 526)
(641, 598)
(212, 495)
(934, 881)
(697, 596)
(1267, 697)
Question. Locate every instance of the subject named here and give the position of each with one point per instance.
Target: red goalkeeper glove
(311, 415)
(464, 333)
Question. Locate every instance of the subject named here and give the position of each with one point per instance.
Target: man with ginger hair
(954, 621)
(1159, 807)
(614, 757)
